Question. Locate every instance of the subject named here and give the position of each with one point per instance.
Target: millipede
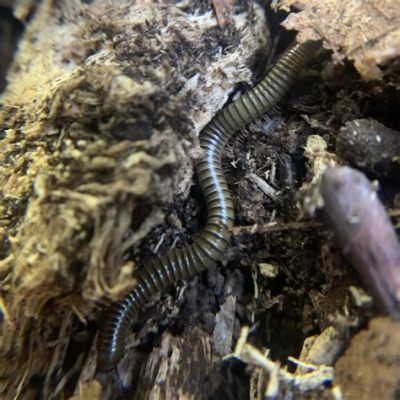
(210, 244)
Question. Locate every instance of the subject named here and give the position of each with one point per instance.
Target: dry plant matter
(99, 125)
(269, 384)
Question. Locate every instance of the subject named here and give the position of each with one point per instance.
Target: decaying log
(99, 126)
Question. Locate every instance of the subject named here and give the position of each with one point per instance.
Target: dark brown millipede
(208, 246)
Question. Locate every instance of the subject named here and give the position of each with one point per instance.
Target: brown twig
(222, 10)
(354, 212)
(273, 227)
(276, 227)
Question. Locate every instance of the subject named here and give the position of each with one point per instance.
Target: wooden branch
(354, 212)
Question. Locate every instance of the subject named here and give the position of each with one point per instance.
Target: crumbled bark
(370, 366)
(366, 32)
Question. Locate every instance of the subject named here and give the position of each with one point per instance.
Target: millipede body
(209, 245)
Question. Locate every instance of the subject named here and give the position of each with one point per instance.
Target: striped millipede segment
(209, 245)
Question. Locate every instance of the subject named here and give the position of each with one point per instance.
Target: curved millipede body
(209, 245)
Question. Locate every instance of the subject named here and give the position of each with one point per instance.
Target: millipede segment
(208, 246)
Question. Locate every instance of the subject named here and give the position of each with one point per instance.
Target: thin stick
(276, 227)
(354, 212)
(273, 227)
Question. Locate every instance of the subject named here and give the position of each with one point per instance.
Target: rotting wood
(97, 138)
(365, 31)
